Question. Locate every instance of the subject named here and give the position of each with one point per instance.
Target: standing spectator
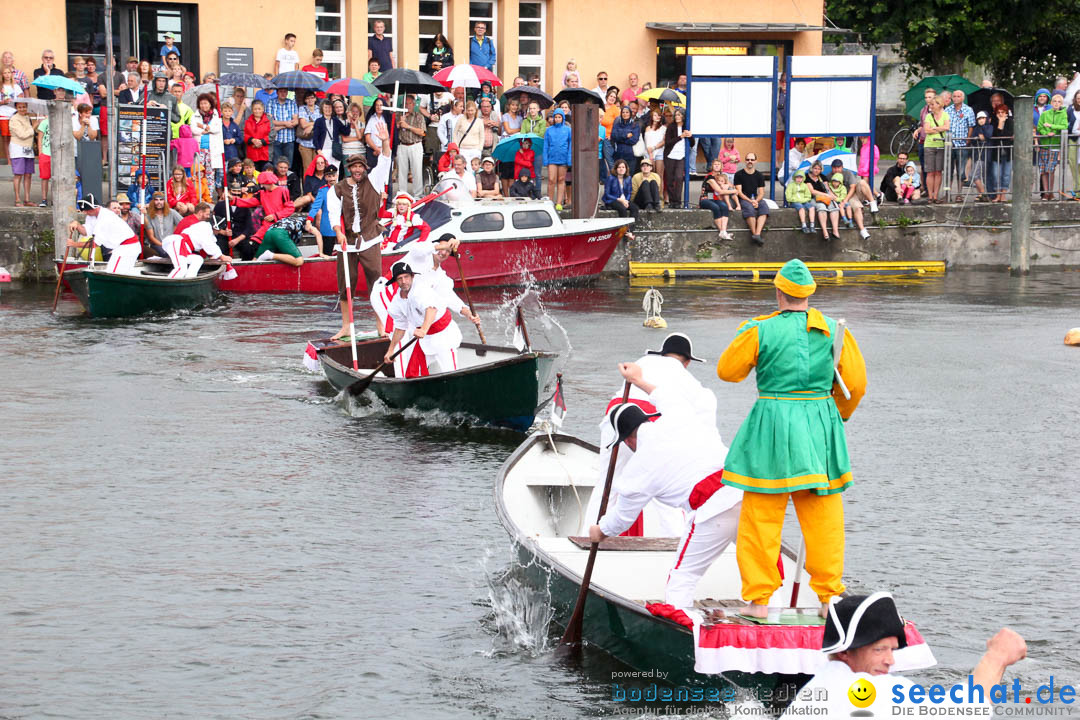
(781, 102)
(729, 156)
(795, 156)
(376, 124)
(481, 49)
(159, 95)
(352, 143)
(84, 125)
(1051, 123)
(7, 61)
(146, 72)
(372, 73)
(1001, 152)
(316, 68)
(557, 157)
(268, 93)
(232, 137)
(329, 129)
(718, 196)
(675, 142)
(645, 187)
(534, 80)
(534, 123)
(868, 173)
(44, 137)
(750, 186)
(319, 214)
(934, 129)
(169, 47)
(48, 67)
(307, 114)
(612, 108)
(21, 150)
(1073, 159)
(961, 123)
(469, 134)
(206, 126)
(797, 194)
(654, 133)
(525, 157)
(492, 125)
(284, 117)
(410, 153)
(981, 138)
(185, 113)
(287, 59)
(625, 133)
(257, 135)
(241, 106)
(511, 125)
(632, 90)
(447, 122)
(380, 47)
(619, 191)
(1042, 103)
(9, 91)
(920, 135)
(601, 88)
(440, 52)
(133, 90)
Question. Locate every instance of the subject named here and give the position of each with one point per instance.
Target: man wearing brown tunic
(353, 205)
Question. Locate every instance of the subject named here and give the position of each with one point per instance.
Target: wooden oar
(60, 279)
(524, 330)
(468, 297)
(571, 639)
(362, 384)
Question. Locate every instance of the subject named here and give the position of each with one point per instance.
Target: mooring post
(1022, 179)
(63, 173)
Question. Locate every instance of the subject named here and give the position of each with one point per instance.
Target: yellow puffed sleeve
(740, 356)
(852, 368)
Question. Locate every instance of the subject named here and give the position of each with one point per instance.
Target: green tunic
(793, 438)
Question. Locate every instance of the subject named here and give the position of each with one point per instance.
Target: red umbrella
(469, 76)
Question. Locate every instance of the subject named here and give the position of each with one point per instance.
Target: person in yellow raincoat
(792, 443)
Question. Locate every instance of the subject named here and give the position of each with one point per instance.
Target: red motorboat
(504, 242)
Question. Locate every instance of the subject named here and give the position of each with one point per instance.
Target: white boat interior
(545, 495)
(471, 355)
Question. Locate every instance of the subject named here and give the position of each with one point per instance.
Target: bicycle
(903, 141)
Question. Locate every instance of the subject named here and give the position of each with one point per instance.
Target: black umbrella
(246, 80)
(980, 99)
(296, 80)
(407, 81)
(579, 96)
(527, 94)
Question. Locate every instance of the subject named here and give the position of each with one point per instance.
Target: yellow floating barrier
(768, 270)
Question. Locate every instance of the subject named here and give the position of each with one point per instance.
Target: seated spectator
(909, 184)
(718, 197)
(131, 217)
(837, 193)
(234, 230)
(275, 204)
(180, 192)
(795, 157)
(797, 194)
(524, 187)
(852, 207)
(446, 162)
(487, 180)
(461, 181)
(619, 191)
(890, 183)
(319, 215)
(524, 158)
(645, 187)
(750, 184)
(161, 220)
(315, 176)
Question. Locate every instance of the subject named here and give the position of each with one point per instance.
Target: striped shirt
(960, 123)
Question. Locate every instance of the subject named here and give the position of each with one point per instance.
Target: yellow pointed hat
(795, 279)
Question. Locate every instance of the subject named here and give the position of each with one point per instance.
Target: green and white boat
(146, 289)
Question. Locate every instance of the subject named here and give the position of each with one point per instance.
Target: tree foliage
(939, 36)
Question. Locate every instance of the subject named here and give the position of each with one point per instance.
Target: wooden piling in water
(63, 173)
(1022, 179)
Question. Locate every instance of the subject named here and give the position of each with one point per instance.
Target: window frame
(391, 32)
(332, 57)
(534, 62)
(544, 213)
(490, 21)
(425, 39)
(502, 223)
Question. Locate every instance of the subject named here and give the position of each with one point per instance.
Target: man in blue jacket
(319, 214)
(481, 49)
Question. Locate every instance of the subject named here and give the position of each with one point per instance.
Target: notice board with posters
(129, 145)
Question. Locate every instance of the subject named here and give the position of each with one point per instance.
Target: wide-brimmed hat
(679, 344)
(357, 159)
(625, 418)
(860, 620)
(123, 198)
(401, 268)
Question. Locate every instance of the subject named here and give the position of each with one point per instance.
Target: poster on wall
(130, 145)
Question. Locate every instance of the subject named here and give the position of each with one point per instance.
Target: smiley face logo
(862, 693)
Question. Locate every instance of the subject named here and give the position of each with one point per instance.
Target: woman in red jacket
(180, 192)
(257, 135)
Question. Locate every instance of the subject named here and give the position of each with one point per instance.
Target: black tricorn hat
(400, 268)
(859, 620)
(625, 418)
(679, 344)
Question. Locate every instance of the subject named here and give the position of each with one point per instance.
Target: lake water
(193, 527)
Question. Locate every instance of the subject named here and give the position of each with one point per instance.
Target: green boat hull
(114, 295)
(507, 392)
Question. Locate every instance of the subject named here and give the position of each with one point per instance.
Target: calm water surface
(193, 527)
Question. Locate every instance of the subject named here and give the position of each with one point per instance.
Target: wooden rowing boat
(146, 289)
(496, 385)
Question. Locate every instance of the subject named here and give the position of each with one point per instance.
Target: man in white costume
(105, 228)
(183, 247)
(862, 633)
(421, 310)
(668, 366)
(679, 461)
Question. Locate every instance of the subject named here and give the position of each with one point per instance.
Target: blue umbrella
(246, 80)
(350, 87)
(507, 147)
(296, 80)
(826, 157)
(53, 82)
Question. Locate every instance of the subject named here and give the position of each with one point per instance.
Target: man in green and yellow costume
(792, 443)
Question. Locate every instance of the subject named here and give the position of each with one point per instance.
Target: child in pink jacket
(185, 146)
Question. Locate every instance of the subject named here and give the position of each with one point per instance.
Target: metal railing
(989, 164)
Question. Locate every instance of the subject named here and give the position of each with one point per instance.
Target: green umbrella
(913, 98)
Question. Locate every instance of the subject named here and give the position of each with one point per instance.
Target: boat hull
(507, 392)
(112, 295)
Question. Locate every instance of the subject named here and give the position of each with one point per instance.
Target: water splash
(521, 614)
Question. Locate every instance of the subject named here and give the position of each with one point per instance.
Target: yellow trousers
(760, 524)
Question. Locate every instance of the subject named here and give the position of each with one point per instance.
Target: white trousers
(700, 546)
(184, 266)
(442, 361)
(123, 258)
(410, 158)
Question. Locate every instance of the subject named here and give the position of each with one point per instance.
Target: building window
(532, 16)
(329, 36)
(385, 10)
(479, 12)
(432, 23)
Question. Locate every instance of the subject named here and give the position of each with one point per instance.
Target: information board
(235, 59)
(129, 145)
